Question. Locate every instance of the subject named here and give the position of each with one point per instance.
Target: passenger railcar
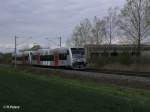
(60, 57)
(22, 58)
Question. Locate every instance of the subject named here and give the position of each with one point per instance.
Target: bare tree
(111, 23)
(76, 37)
(81, 34)
(134, 21)
(85, 31)
(99, 30)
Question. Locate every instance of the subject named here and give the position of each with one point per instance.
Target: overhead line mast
(15, 50)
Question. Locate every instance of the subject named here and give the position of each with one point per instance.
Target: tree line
(129, 25)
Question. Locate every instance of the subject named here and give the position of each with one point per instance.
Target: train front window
(78, 52)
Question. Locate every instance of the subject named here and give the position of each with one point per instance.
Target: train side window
(50, 58)
(46, 58)
(63, 56)
(33, 57)
(67, 52)
(42, 58)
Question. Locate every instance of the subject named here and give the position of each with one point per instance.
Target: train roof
(47, 51)
(64, 49)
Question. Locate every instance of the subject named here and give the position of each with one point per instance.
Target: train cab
(78, 58)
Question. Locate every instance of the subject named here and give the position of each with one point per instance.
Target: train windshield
(78, 52)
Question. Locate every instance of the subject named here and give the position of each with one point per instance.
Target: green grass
(36, 93)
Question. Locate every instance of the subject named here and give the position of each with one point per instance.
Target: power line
(60, 41)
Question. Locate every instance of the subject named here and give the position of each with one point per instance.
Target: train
(60, 57)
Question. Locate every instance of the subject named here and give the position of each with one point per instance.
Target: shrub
(125, 59)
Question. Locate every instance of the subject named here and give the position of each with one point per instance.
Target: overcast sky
(46, 18)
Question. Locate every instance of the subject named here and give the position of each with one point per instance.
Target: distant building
(100, 51)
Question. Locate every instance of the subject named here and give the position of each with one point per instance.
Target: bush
(6, 59)
(125, 58)
(101, 61)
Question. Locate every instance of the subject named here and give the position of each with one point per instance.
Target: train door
(47, 60)
(25, 59)
(38, 59)
(56, 59)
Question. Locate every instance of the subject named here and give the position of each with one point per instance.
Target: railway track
(134, 80)
(117, 72)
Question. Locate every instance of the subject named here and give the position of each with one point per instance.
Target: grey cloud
(40, 18)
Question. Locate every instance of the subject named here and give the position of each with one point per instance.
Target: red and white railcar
(60, 57)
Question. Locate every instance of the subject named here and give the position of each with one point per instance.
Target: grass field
(34, 93)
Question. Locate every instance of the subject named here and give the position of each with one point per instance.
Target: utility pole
(15, 50)
(60, 41)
